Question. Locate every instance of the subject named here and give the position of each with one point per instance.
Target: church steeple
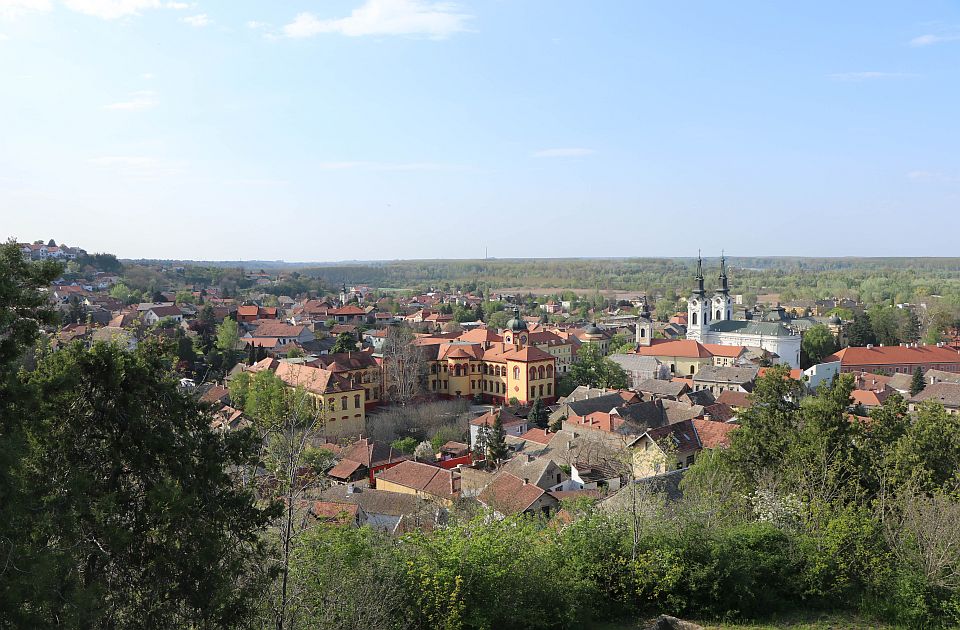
(699, 278)
(724, 287)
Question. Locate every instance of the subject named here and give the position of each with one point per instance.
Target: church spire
(699, 278)
(724, 287)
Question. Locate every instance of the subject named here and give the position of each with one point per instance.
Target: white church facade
(710, 320)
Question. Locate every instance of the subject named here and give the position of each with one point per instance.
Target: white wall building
(710, 320)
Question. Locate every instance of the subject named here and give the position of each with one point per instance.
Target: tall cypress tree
(497, 440)
(917, 384)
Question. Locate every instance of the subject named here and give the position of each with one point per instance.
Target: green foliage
(860, 332)
(818, 342)
(917, 384)
(228, 336)
(497, 441)
(593, 369)
(345, 343)
(138, 505)
(405, 445)
(539, 414)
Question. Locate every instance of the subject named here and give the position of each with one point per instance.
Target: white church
(711, 321)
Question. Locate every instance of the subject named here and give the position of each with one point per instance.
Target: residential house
(947, 394)
(670, 447)
(365, 458)
(423, 480)
(721, 379)
(157, 313)
(508, 494)
(640, 368)
(512, 424)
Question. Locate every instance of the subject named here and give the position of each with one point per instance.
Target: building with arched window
(494, 371)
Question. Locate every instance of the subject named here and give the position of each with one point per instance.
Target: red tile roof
(713, 434)
(894, 355)
(508, 494)
(432, 480)
(687, 348)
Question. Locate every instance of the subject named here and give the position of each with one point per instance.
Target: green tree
(143, 526)
(917, 384)
(228, 336)
(345, 343)
(23, 309)
(593, 369)
(860, 333)
(497, 320)
(818, 342)
(405, 445)
(497, 441)
(122, 292)
(538, 415)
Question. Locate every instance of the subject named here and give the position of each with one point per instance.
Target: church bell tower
(722, 305)
(698, 307)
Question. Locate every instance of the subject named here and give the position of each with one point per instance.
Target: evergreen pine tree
(917, 384)
(538, 414)
(497, 442)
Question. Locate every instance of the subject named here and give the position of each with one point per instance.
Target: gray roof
(374, 501)
(726, 374)
(635, 362)
(660, 387)
(936, 376)
(647, 414)
(947, 394)
(600, 403)
(750, 327)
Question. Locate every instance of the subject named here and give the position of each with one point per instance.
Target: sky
(324, 130)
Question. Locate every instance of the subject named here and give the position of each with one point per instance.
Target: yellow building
(338, 402)
(474, 365)
(361, 368)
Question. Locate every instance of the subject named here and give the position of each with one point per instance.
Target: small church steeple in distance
(724, 286)
(699, 278)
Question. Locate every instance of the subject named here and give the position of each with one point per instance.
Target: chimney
(526, 481)
(350, 489)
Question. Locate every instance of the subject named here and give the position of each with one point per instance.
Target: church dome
(834, 319)
(592, 329)
(516, 324)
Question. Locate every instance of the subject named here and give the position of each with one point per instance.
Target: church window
(643, 333)
(516, 372)
(694, 322)
(719, 316)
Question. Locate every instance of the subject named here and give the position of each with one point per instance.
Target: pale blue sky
(369, 129)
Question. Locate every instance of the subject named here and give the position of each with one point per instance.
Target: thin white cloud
(139, 167)
(254, 24)
(196, 21)
(144, 99)
(563, 152)
(869, 76)
(931, 177)
(15, 8)
(3, 37)
(147, 76)
(113, 9)
(387, 166)
(436, 20)
(930, 39)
